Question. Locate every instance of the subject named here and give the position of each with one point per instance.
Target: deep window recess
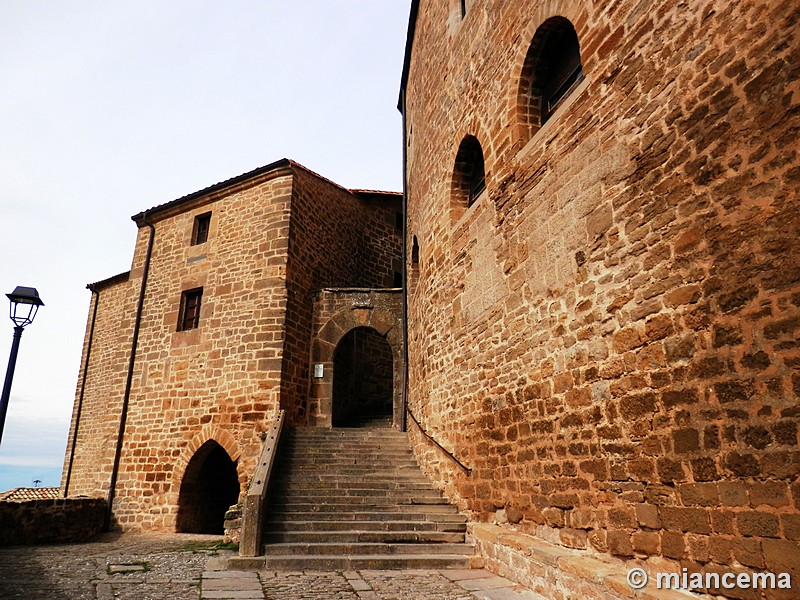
(202, 223)
(564, 70)
(189, 316)
(463, 7)
(469, 175)
(413, 275)
(477, 175)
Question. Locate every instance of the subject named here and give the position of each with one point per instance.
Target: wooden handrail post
(253, 510)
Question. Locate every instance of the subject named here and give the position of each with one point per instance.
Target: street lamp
(25, 303)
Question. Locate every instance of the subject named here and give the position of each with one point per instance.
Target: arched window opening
(552, 70)
(210, 486)
(363, 385)
(469, 175)
(415, 252)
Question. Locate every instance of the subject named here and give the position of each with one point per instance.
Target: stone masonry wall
(102, 398)
(220, 381)
(337, 240)
(50, 521)
(608, 336)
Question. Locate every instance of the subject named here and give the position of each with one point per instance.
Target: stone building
(603, 255)
(191, 353)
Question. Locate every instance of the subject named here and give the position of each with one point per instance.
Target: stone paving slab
(507, 594)
(237, 584)
(227, 574)
(486, 583)
(459, 574)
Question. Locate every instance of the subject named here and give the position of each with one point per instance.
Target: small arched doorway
(362, 379)
(210, 486)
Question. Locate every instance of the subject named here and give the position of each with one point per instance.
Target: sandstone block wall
(101, 401)
(338, 240)
(608, 336)
(221, 380)
(50, 521)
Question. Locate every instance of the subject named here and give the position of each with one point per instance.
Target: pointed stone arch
(209, 487)
(207, 433)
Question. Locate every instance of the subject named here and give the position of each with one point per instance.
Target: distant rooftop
(21, 494)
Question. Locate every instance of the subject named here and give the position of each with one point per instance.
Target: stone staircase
(355, 498)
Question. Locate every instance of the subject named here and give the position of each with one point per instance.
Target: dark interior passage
(362, 379)
(209, 487)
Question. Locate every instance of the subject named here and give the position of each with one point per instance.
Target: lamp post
(25, 303)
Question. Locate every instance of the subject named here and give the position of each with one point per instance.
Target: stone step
(353, 502)
(357, 499)
(356, 509)
(409, 476)
(340, 446)
(355, 562)
(348, 535)
(341, 443)
(386, 462)
(288, 526)
(379, 456)
(329, 432)
(383, 460)
(308, 462)
(362, 548)
(378, 496)
(310, 442)
(360, 469)
(370, 504)
(313, 494)
(373, 515)
(359, 484)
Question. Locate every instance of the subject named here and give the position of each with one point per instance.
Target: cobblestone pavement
(128, 567)
(192, 567)
(394, 585)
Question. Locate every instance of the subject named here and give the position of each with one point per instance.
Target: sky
(110, 107)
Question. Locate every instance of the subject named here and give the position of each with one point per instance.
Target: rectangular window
(189, 316)
(200, 231)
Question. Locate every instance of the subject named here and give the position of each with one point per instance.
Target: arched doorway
(210, 486)
(362, 379)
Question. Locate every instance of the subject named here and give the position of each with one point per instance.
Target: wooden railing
(253, 510)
